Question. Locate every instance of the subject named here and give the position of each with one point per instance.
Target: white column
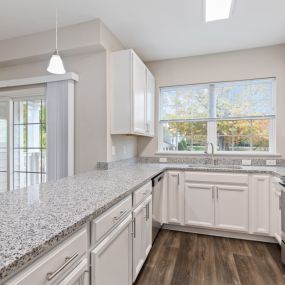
(60, 129)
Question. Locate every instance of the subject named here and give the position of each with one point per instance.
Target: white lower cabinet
(112, 258)
(142, 234)
(276, 209)
(175, 198)
(219, 207)
(260, 204)
(231, 207)
(199, 205)
(78, 276)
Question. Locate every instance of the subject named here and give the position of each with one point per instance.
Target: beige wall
(86, 51)
(246, 64)
(90, 104)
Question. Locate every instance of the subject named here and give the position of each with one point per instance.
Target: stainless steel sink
(212, 166)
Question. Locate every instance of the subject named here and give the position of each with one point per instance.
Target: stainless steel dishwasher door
(157, 200)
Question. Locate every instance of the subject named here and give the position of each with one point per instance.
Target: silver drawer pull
(68, 260)
(120, 216)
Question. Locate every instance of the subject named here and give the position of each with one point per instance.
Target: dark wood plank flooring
(190, 259)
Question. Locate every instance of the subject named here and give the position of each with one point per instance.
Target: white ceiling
(156, 29)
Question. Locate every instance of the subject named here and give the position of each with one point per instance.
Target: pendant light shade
(55, 64)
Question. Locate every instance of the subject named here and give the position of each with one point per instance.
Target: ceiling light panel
(217, 10)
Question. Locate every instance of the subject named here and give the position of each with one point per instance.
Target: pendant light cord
(56, 27)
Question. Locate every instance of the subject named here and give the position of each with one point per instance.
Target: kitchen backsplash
(190, 160)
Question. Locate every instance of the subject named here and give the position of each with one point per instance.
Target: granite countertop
(35, 219)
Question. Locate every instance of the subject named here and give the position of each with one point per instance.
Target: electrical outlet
(113, 150)
(163, 159)
(246, 162)
(271, 162)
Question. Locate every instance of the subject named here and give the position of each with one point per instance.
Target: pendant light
(55, 64)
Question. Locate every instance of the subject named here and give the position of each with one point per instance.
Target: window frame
(212, 125)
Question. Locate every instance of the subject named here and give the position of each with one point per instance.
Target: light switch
(163, 159)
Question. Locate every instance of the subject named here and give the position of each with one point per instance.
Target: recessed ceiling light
(217, 9)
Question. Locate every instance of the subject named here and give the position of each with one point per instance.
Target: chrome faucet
(212, 151)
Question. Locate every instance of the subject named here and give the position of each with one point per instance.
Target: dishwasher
(157, 202)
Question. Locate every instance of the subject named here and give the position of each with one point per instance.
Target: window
(23, 138)
(235, 116)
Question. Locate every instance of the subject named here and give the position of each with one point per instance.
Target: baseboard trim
(218, 233)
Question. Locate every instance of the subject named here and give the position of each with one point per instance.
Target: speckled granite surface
(34, 220)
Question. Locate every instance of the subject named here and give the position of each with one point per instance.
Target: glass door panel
(4, 114)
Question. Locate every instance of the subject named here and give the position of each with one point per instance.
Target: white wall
(246, 64)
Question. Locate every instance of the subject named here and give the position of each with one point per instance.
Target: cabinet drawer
(142, 193)
(214, 177)
(53, 266)
(108, 220)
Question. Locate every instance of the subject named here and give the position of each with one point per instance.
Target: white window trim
(212, 130)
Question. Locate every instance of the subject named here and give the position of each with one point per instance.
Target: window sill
(219, 154)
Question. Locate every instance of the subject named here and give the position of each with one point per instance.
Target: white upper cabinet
(150, 103)
(133, 94)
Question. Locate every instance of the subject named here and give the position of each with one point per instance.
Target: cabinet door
(260, 201)
(139, 95)
(78, 276)
(150, 103)
(139, 244)
(175, 199)
(231, 209)
(276, 211)
(112, 258)
(148, 226)
(199, 205)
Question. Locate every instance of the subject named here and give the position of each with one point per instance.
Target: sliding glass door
(4, 116)
(29, 147)
(23, 142)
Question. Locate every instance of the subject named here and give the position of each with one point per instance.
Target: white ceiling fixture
(55, 64)
(218, 10)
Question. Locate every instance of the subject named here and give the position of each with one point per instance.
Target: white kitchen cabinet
(112, 258)
(62, 263)
(78, 276)
(148, 226)
(132, 99)
(199, 205)
(139, 95)
(231, 207)
(276, 209)
(142, 234)
(259, 205)
(150, 103)
(175, 198)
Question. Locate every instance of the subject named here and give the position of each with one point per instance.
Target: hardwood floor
(190, 259)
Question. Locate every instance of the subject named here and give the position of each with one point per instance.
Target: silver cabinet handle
(68, 260)
(120, 216)
(217, 192)
(280, 202)
(147, 213)
(134, 227)
(178, 179)
(213, 192)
